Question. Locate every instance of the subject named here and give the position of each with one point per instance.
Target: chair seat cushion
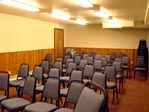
(65, 78)
(111, 85)
(64, 91)
(119, 76)
(125, 66)
(15, 83)
(140, 69)
(64, 110)
(40, 107)
(15, 104)
(40, 88)
(2, 97)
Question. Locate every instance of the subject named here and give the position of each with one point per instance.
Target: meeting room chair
(19, 103)
(98, 66)
(110, 71)
(46, 67)
(100, 79)
(89, 100)
(97, 57)
(82, 64)
(88, 72)
(65, 78)
(126, 65)
(119, 73)
(4, 85)
(90, 60)
(54, 72)
(92, 54)
(75, 76)
(72, 96)
(48, 57)
(22, 75)
(77, 59)
(51, 91)
(140, 67)
(58, 64)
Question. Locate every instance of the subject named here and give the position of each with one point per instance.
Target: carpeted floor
(133, 98)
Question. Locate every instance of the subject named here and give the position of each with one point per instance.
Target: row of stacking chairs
(52, 91)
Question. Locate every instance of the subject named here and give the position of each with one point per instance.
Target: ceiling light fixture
(84, 3)
(81, 22)
(19, 4)
(101, 12)
(59, 15)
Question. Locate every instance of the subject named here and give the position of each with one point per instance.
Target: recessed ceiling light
(19, 4)
(59, 15)
(84, 3)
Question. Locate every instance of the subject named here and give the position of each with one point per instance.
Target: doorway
(58, 42)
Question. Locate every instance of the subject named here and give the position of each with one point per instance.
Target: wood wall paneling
(11, 61)
(132, 53)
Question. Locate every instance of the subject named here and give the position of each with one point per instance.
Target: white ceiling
(132, 10)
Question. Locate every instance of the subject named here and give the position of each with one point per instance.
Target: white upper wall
(95, 37)
(21, 34)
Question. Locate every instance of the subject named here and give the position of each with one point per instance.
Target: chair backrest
(4, 82)
(76, 76)
(46, 66)
(121, 55)
(74, 55)
(118, 59)
(126, 60)
(82, 64)
(97, 57)
(82, 53)
(88, 71)
(77, 59)
(104, 61)
(59, 59)
(98, 65)
(100, 79)
(29, 87)
(70, 67)
(52, 89)
(38, 72)
(90, 60)
(23, 71)
(48, 57)
(92, 54)
(54, 72)
(90, 101)
(58, 64)
(69, 60)
(118, 66)
(110, 71)
(65, 58)
(107, 56)
(68, 53)
(112, 56)
(74, 92)
(140, 62)
(85, 56)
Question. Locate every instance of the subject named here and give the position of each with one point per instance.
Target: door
(58, 42)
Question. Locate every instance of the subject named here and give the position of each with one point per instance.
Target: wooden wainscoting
(132, 53)
(11, 61)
